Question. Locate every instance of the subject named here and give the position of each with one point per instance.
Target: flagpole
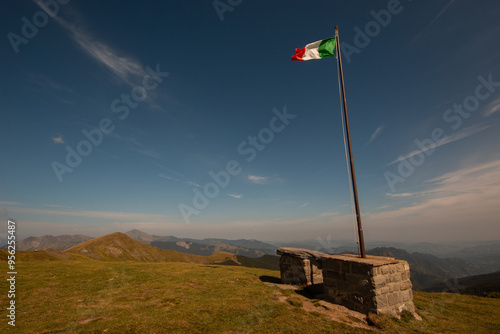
(353, 176)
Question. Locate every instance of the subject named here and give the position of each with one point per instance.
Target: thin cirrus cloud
(328, 214)
(375, 134)
(125, 68)
(9, 203)
(194, 184)
(58, 206)
(265, 179)
(163, 176)
(445, 8)
(171, 171)
(406, 195)
(91, 214)
(58, 140)
(147, 152)
(400, 195)
(492, 108)
(258, 179)
(238, 196)
(469, 196)
(464, 133)
(171, 178)
(128, 140)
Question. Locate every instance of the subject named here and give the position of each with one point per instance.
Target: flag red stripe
(298, 54)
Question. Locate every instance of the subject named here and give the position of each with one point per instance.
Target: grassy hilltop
(73, 292)
(120, 247)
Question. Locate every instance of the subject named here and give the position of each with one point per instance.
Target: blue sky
(154, 97)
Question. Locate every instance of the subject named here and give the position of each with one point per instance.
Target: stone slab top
(375, 261)
(301, 253)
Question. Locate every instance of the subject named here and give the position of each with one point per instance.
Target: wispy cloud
(125, 68)
(402, 195)
(258, 179)
(303, 205)
(171, 178)
(9, 203)
(147, 152)
(91, 214)
(433, 20)
(375, 134)
(492, 108)
(45, 81)
(265, 179)
(194, 184)
(163, 176)
(58, 206)
(328, 214)
(462, 204)
(472, 175)
(235, 195)
(129, 140)
(169, 170)
(58, 140)
(464, 133)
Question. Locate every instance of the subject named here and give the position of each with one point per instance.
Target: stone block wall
(299, 271)
(300, 266)
(374, 284)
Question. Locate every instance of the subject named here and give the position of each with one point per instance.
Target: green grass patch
(126, 297)
(88, 296)
(445, 313)
(295, 301)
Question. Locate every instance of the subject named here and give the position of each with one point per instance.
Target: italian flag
(317, 50)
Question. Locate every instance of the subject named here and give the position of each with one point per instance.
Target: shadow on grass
(312, 291)
(270, 279)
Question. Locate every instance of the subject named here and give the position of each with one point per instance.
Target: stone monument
(374, 284)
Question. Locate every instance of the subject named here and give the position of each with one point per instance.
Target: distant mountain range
(206, 250)
(250, 248)
(205, 247)
(120, 247)
(49, 241)
(428, 270)
(487, 285)
(485, 256)
(443, 250)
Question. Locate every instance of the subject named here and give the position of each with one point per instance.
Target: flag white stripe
(312, 51)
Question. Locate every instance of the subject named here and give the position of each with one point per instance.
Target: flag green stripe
(327, 47)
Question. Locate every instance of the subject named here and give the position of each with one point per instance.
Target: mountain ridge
(486, 285)
(64, 241)
(428, 270)
(247, 243)
(120, 247)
